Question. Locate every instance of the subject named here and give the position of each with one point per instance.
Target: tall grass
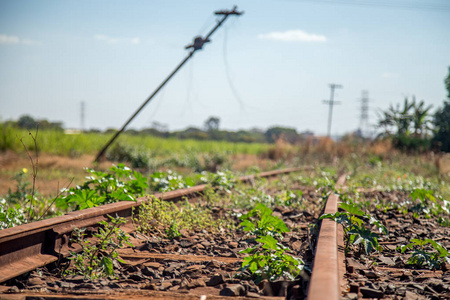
(57, 142)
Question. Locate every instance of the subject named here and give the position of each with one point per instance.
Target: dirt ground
(54, 172)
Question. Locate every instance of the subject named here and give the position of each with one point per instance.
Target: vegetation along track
(199, 261)
(255, 241)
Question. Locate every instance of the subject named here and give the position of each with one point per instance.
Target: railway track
(190, 267)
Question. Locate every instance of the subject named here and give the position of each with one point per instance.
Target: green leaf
(247, 225)
(248, 250)
(107, 263)
(268, 242)
(352, 209)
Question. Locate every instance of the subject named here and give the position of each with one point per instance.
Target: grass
(59, 143)
(397, 173)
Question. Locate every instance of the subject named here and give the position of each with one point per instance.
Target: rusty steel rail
(27, 247)
(327, 277)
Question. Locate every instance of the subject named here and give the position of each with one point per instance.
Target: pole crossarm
(196, 45)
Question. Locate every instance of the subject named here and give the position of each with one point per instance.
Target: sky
(271, 66)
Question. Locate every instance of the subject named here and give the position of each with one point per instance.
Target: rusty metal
(327, 274)
(27, 247)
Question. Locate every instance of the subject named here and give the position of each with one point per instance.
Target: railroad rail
(27, 247)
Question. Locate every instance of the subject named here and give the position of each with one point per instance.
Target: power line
(227, 71)
(385, 4)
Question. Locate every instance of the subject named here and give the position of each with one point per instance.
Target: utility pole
(82, 115)
(331, 103)
(196, 45)
(364, 117)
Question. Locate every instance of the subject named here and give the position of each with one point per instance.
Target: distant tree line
(28, 122)
(210, 131)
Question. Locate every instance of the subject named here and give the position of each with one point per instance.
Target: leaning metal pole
(197, 45)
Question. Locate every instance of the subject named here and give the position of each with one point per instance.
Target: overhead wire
(413, 5)
(158, 104)
(227, 70)
(187, 103)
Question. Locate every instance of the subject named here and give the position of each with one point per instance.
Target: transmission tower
(364, 117)
(331, 103)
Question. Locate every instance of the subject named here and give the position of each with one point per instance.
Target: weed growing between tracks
(211, 228)
(97, 259)
(355, 223)
(267, 259)
(415, 213)
(421, 257)
(158, 217)
(121, 184)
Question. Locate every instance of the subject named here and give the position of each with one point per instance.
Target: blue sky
(270, 66)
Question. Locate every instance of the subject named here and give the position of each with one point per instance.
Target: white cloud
(296, 35)
(14, 40)
(9, 39)
(389, 75)
(113, 40)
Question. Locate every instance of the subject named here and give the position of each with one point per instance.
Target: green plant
(7, 137)
(22, 191)
(169, 181)
(423, 205)
(268, 258)
(11, 215)
(159, 216)
(97, 259)
(172, 232)
(291, 198)
(260, 221)
(353, 219)
(138, 158)
(421, 257)
(223, 181)
(121, 184)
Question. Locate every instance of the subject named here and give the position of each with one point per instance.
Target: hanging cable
(227, 70)
(187, 103)
(413, 5)
(161, 98)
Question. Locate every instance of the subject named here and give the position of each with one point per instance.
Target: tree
(447, 83)
(407, 126)
(421, 119)
(442, 121)
(27, 122)
(212, 124)
(288, 134)
(397, 119)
